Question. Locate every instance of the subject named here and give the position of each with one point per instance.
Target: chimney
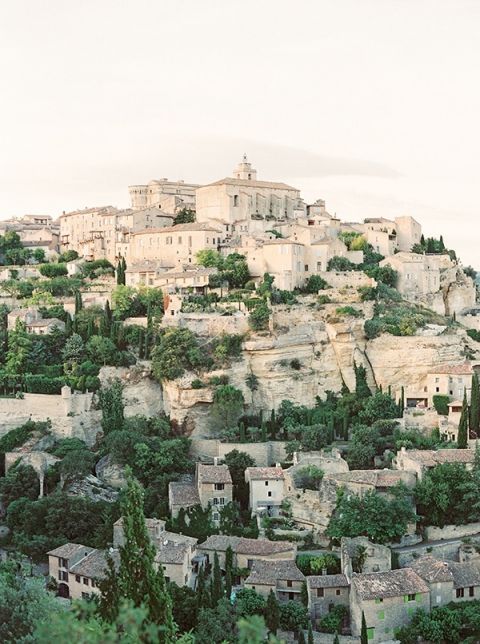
(324, 572)
(215, 460)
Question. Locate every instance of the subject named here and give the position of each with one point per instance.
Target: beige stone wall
(433, 533)
(85, 586)
(320, 606)
(354, 279)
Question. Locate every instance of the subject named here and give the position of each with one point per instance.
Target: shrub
(176, 351)
(314, 284)
(441, 404)
(259, 316)
(340, 264)
(349, 311)
(53, 270)
(323, 299)
(296, 364)
(309, 477)
(197, 384)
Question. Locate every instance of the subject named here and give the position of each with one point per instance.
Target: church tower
(244, 170)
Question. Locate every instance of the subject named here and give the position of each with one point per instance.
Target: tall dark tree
(228, 571)
(272, 613)
(216, 584)
(362, 389)
(78, 302)
(475, 404)
(364, 631)
(111, 403)
(462, 441)
(301, 637)
(137, 578)
(310, 634)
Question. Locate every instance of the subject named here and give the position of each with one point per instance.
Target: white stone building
(266, 489)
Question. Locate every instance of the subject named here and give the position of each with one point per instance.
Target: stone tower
(244, 170)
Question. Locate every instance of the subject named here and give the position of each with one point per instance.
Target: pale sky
(373, 105)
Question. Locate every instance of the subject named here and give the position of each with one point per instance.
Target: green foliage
(380, 406)
(293, 616)
(227, 407)
(20, 481)
(455, 622)
(237, 463)
(440, 402)
(111, 404)
(448, 494)
(24, 603)
(184, 216)
(340, 264)
(232, 269)
(18, 436)
(399, 318)
(41, 525)
(272, 613)
(194, 522)
(373, 516)
(97, 267)
(313, 564)
(53, 270)
(309, 477)
(462, 438)
(362, 390)
(176, 351)
(19, 348)
(249, 602)
(259, 316)
(314, 284)
(68, 256)
(475, 405)
(76, 464)
(348, 311)
(217, 625)
(332, 622)
(385, 274)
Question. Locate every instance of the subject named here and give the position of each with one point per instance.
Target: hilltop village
(228, 415)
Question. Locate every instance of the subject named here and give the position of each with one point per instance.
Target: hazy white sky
(373, 105)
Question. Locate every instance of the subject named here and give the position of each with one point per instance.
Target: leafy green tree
(184, 216)
(462, 439)
(373, 516)
(237, 463)
(380, 406)
(272, 613)
(249, 602)
(227, 408)
(293, 616)
(314, 284)
(24, 602)
(101, 350)
(74, 349)
(217, 625)
(259, 316)
(20, 481)
(77, 464)
(340, 264)
(362, 390)
(176, 351)
(184, 606)
(137, 578)
(19, 348)
(111, 403)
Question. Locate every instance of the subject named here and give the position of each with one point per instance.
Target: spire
(244, 170)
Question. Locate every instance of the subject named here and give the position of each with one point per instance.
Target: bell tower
(244, 170)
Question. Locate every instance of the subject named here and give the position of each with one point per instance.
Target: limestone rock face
(92, 488)
(142, 395)
(110, 473)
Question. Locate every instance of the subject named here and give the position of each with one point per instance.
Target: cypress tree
(475, 404)
(104, 330)
(78, 302)
(217, 586)
(422, 240)
(90, 328)
(108, 313)
(146, 350)
(364, 632)
(345, 425)
(264, 433)
(201, 590)
(310, 634)
(241, 431)
(113, 332)
(304, 594)
(68, 325)
(462, 441)
(137, 579)
(335, 639)
(228, 584)
(301, 637)
(273, 425)
(401, 404)
(119, 272)
(441, 245)
(362, 389)
(272, 613)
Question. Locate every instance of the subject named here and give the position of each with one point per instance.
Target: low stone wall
(443, 551)
(432, 533)
(264, 454)
(212, 324)
(339, 279)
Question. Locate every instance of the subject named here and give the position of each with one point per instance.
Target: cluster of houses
(366, 583)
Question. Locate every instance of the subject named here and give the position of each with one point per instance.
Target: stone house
(247, 551)
(62, 560)
(388, 600)
(449, 580)
(86, 573)
(359, 554)
(362, 481)
(174, 552)
(266, 489)
(420, 461)
(212, 487)
(283, 577)
(450, 380)
(189, 279)
(173, 245)
(33, 321)
(325, 592)
(381, 233)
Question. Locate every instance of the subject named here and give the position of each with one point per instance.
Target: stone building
(420, 461)
(450, 380)
(449, 580)
(266, 489)
(169, 196)
(62, 561)
(33, 321)
(243, 204)
(418, 275)
(388, 600)
(282, 577)
(325, 592)
(247, 551)
(360, 555)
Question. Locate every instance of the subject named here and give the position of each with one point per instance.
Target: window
(320, 592)
(222, 500)
(179, 240)
(269, 493)
(215, 501)
(337, 592)
(216, 516)
(370, 633)
(471, 591)
(63, 575)
(219, 486)
(63, 563)
(411, 597)
(77, 578)
(266, 482)
(306, 268)
(235, 201)
(437, 389)
(289, 583)
(381, 614)
(460, 592)
(291, 596)
(85, 581)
